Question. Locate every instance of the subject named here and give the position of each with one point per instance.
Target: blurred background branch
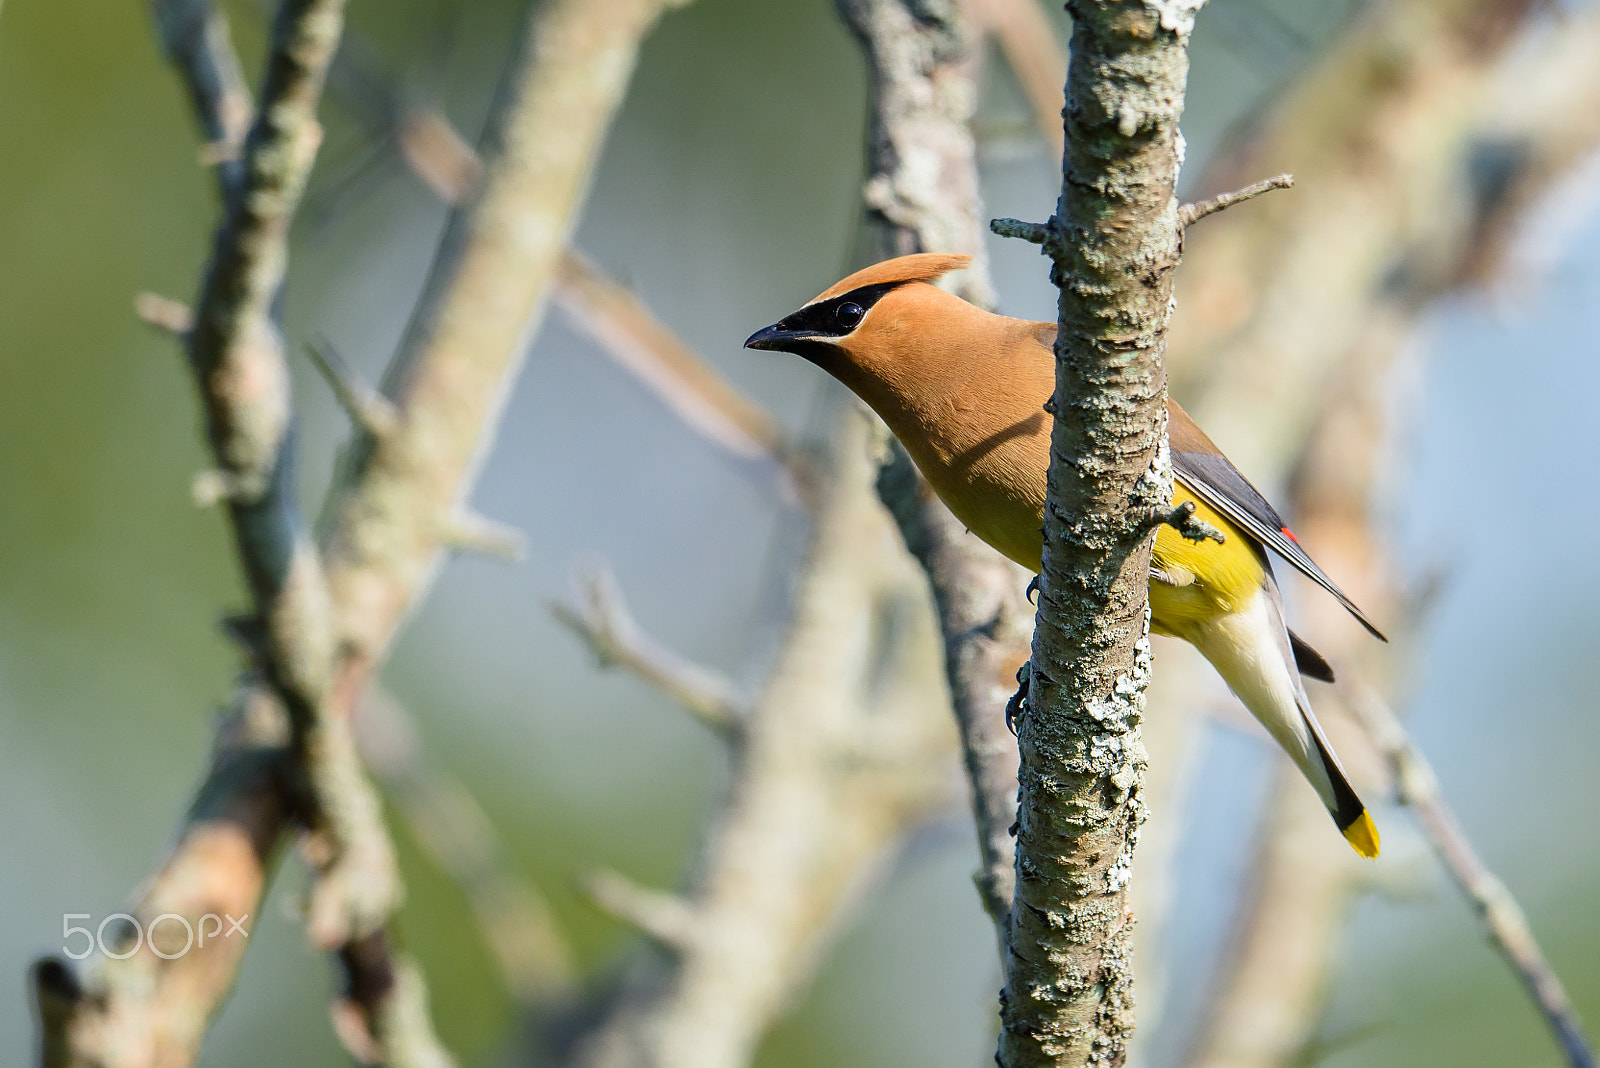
(845, 752)
(1255, 330)
(921, 195)
(401, 500)
(1417, 788)
(601, 618)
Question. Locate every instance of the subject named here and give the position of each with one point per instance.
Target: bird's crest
(921, 267)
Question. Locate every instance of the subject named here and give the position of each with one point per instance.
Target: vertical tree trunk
(1114, 242)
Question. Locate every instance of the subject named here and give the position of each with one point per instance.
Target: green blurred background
(727, 195)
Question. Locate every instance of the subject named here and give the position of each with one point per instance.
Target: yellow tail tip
(1362, 834)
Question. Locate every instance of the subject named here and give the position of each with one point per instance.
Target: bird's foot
(1019, 700)
(1032, 592)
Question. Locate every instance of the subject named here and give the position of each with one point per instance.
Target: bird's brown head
(855, 323)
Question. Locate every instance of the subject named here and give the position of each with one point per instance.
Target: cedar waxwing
(964, 391)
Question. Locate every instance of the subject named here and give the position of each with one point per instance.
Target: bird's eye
(849, 315)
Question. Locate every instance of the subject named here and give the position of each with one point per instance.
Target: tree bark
(1068, 998)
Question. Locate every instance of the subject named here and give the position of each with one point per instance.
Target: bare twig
(1190, 214)
(466, 531)
(452, 828)
(170, 316)
(368, 409)
(194, 35)
(612, 315)
(438, 155)
(666, 919)
(1503, 919)
(1031, 232)
(922, 93)
(846, 750)
(1069, 972)
(432, 148)
(484, 300)
(601, 618)
(1186, 523)
(677, 376)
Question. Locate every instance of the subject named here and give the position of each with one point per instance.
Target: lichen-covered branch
(1068, 998)
(239, 361)
(147, 1009)
(237, 352)
(921, 102)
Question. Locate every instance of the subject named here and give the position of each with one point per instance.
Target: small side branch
(601, 618)
(467, 531)
(666, 919)
(1190, 214)
(194, 35)
(1033, 233)
(452, 828)
(1503, 919)
(1185, 522)
(366, 407)
(664, 365)
(172, 317)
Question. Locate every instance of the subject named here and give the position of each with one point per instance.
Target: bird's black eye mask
(837, 316)
(801, 332)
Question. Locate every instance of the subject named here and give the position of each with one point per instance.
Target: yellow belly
(1206, 579)
(1203, 580)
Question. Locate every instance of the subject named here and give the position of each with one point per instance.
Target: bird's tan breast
(964, 391)
(985, 452)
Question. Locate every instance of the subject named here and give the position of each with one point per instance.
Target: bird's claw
(1032, 592)
(1019, 700)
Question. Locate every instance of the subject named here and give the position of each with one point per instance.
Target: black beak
(775, 338)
